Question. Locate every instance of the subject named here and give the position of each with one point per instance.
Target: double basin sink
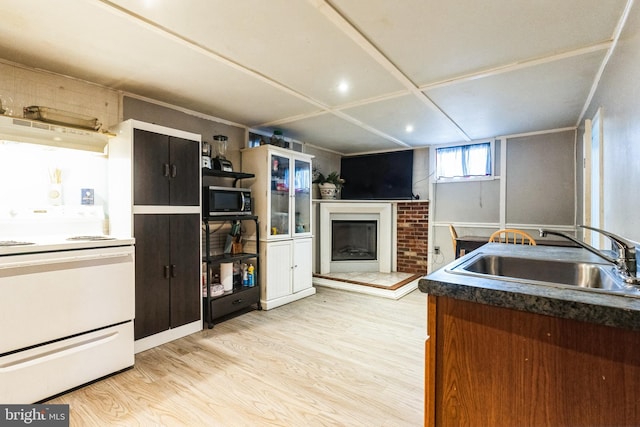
(572, 273)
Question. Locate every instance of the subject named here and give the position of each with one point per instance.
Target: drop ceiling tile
(548, 96)
(392, 116)
(334, 133)
(289, 41)
(435, 40)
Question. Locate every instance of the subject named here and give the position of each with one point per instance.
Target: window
(464, 161)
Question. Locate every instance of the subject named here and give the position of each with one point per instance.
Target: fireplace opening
(354, 240)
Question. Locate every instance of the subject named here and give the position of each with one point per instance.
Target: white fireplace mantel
(386, 229)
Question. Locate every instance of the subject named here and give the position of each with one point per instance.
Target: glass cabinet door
(280, 200)
(302, 188)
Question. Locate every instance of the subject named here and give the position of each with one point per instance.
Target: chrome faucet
(626, 250)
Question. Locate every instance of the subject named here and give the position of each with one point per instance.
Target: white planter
(327, 190)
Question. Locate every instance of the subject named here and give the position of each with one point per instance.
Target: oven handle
(62, 260)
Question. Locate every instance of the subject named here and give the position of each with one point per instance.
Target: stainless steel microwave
(226, 201)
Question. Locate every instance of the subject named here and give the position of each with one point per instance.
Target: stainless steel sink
(591, 276)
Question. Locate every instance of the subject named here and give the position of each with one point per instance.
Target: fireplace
(356, 237)
(354, 240)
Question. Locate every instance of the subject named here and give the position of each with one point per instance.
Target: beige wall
(29, 87)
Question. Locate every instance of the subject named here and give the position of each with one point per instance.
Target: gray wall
(470, 202)
(541, 179)
(619, 96)
(421, 173)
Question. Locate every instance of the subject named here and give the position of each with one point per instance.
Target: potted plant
(328, 185)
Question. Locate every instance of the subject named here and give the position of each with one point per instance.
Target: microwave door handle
(242, 201)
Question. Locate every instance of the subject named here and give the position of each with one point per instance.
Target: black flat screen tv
(378, 176)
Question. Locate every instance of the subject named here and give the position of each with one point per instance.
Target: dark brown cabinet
(167, 272)
(154, 196)
(167, 170)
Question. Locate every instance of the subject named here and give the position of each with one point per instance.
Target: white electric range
(66, 301)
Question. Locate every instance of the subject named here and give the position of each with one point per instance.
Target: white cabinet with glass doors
(281, 190)
(281, 194)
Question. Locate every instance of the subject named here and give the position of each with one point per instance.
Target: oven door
(52, 295)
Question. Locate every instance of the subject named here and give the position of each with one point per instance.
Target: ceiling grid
(419, 73)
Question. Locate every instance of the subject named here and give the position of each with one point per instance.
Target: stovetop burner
(14, 243)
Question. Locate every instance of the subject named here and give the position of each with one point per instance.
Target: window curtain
(464, 161)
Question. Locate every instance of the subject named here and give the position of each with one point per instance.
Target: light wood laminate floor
(336, 358)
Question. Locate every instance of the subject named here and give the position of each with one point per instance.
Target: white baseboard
(277, 302)
(166, 336)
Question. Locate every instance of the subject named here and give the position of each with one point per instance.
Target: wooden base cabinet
(286, 272)
(493, 366)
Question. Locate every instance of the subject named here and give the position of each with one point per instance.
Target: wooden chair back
(454, 236)
(512, 236)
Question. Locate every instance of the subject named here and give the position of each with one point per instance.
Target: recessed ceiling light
(408, 128)
(343, 87)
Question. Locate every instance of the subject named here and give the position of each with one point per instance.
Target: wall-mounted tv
(378, 176)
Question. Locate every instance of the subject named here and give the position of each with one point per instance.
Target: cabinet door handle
(173, 270)
(165, 169)
(238, 301)
(166, 271)
(174, 171)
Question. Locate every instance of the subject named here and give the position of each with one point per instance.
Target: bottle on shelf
(251, 275)
(245, 275)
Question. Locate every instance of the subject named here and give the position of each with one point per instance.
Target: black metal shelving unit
(239, 297)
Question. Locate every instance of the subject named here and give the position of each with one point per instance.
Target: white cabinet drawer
(35, 374)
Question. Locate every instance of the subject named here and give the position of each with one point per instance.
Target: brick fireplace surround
(412, 234)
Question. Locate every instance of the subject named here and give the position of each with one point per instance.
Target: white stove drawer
(33, 375)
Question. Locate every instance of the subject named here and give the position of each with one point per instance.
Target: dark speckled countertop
(617, 309)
